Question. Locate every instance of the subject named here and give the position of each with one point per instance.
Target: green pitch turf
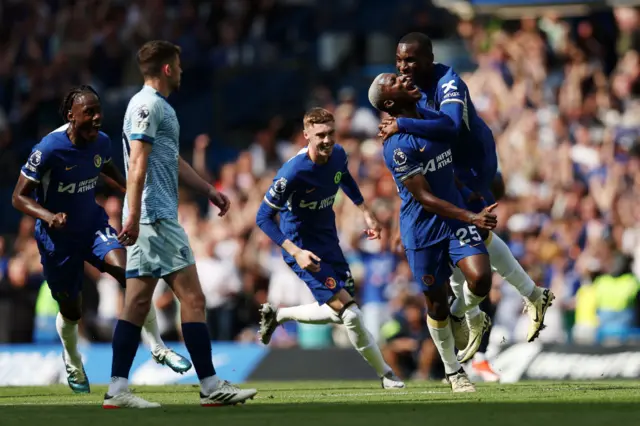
(340, 403)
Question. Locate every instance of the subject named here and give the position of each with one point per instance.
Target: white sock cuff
(65, 320)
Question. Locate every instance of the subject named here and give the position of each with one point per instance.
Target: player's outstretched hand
(307, 260)
(388, 127)
(373, 226)
(221, 201)
(486, 219)
(130, 231)
(59, 220)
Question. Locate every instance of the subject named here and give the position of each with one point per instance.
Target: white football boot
(126, 400)
(536, 307)
(226, 394)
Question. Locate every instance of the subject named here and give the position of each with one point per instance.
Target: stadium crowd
(564, 107)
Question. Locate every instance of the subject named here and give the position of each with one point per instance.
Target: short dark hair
(154, 54)
(70, 98)
(422, 40)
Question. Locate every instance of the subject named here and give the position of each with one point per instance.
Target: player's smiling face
(414, 63)
(399, 91)
(322, 139)
(86, 116)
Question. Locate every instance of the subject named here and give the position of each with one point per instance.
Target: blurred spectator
(409, 349)
(561, 95)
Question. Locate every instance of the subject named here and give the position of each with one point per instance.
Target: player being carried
(159, 247)
(303, 192)
(436, 230)
(57, 187)
(474, 157)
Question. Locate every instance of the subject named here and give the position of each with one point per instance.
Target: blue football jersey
(67, 176)
(406, 156)
(475, 148)
(304, 192)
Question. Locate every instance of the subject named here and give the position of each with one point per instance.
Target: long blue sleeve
(265, 219)
(350, 187)
(435, 126)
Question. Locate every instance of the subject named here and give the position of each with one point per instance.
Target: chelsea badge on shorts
(330, 283)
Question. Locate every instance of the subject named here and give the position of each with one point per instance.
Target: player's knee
(71, 310)
(480, 282)
(438, 311)
(139, 306)
(194, 301)
(71, 314)
(352, 317)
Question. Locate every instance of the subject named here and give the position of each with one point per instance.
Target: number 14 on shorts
(106, 235)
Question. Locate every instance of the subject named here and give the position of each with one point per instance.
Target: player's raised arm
(32, 172)
(190, 178)
(435, 125)
(274, 201)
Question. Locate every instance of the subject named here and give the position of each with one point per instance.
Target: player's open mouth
(408, 85)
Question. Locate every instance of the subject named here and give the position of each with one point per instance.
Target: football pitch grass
(340, 403)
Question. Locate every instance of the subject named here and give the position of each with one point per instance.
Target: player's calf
(67, 327)
(362, 340)
(439, 325)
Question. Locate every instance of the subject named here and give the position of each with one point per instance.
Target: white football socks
(68, 332)
(313, 313)
(150, 331)
(363, 341)
(117, 386)
(443, 339)
(460, 306)
(209, 384)
(506, 265)
(470, 299)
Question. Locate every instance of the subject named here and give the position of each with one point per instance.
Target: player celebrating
(474, 156)
(435, 229)
(159, 247)
(62, 172)
(303, 193)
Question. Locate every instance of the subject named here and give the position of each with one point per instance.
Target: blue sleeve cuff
(142, 137)
(400, 122)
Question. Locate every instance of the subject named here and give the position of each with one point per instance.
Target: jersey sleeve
(145, 119)
(38, 163)
(403, 158)
(281, 189)
(349, 184)
(452, 95)
(434, 125)
(107, 149)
